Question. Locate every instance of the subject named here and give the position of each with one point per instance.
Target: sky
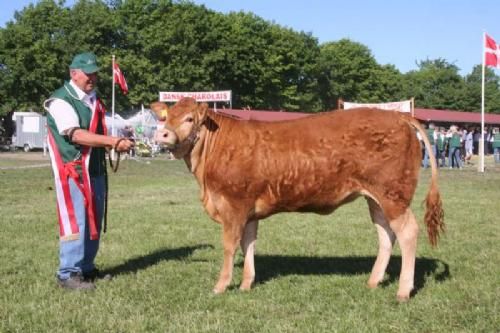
(398, 32)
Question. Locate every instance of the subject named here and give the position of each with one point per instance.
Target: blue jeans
(454, 157)
(426, 156)
(441, 158)
(496, 151)
(77, 256)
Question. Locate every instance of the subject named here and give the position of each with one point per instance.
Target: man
(441, 147)
(454, 137)
(432, 136)
(495, 140)
(77, 140)
(469, 146)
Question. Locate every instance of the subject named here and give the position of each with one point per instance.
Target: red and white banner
(205, 96)
(403, 106)
(119, 78)
(491, 52)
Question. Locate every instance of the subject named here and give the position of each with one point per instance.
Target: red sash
(68, 227)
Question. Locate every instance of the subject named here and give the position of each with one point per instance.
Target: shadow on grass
(142, 262)
(269, 267)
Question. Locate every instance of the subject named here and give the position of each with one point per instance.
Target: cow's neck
(194, 160)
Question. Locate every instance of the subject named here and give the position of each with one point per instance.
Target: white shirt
(63, 113)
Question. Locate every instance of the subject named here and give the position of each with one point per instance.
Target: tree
(265, 65)
(436, 84)
(348, 70)
(31, 50)
(472, 100)
(36, 49)
(178, 45)
(268, 66)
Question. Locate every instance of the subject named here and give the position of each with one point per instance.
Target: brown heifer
(249, 170)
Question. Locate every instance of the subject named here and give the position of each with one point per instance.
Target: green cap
(87, 62)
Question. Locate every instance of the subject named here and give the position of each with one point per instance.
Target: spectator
(432, 136)
(441, 147)
(454, 148)
(469, 146)
(476, 138)
(485, 142)
(463, 136)
(489, 137)
(496, 144)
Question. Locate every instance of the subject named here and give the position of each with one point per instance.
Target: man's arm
(86, 138)
(67, 124)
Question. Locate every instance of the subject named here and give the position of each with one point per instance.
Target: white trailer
(30, 132)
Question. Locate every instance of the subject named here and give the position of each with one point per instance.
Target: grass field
(165, 254)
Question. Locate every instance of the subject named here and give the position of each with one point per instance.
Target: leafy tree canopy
(180, 46)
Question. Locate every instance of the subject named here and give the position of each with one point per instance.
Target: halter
(192, 138)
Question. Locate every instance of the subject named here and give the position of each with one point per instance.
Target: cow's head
(182, 125)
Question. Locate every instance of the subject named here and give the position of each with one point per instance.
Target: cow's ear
(160, 109)
(201, 112)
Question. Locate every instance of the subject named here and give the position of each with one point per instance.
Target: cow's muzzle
(166, 137)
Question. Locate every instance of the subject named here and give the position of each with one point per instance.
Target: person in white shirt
(469, 146)
(77, 139)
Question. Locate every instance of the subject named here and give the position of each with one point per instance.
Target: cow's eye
(189, 119)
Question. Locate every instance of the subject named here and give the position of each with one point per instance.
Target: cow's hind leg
(386, 238)
(231, 236)
(406, 229)
(248, 247)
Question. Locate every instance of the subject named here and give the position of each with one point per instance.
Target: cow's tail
(434, 214)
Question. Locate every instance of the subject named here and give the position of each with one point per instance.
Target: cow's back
(314, 163)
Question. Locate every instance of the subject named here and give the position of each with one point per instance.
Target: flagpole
(113, 130)
(142, 119)
(481, 138)
(113, 97)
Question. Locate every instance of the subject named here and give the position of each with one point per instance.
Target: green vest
(70, 151)
(496, 141)
(440, 142)
(455, 141)
(430, 135)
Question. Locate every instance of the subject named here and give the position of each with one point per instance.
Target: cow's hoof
(246, 286)
(372, 284)
(219, 289)
(403, 298)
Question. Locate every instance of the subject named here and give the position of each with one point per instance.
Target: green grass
(165, 254)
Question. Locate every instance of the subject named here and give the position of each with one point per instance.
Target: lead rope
(105, 222)
(106, 183)
(114, 167)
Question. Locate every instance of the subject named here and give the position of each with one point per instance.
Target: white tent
(144, 123)
(119, 123)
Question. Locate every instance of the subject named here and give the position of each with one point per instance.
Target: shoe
(96, 274)
(75, 282)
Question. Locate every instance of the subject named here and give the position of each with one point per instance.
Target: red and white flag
(119, 78)
(491, 52)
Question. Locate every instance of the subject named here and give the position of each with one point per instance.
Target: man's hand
(124, 145)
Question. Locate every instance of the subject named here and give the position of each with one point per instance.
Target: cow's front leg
(232, 235)
(248, 247)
